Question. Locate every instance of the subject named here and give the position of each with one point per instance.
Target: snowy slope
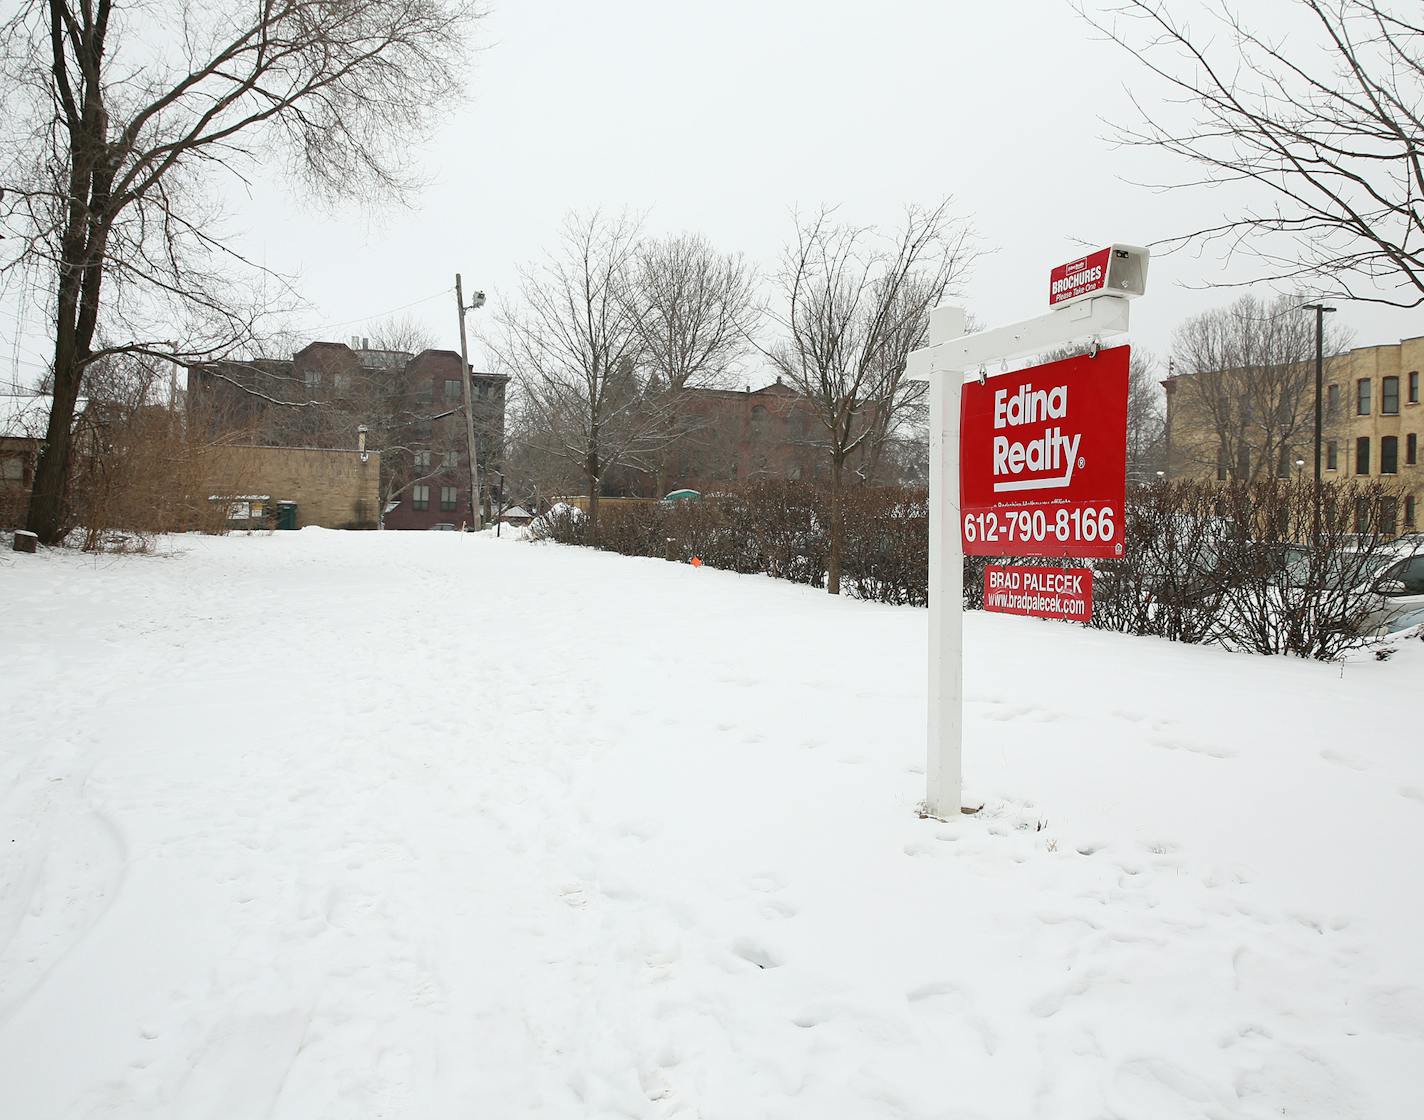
(427, 825)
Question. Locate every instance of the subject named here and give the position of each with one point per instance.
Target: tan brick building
(334, 489)
(1373, 421)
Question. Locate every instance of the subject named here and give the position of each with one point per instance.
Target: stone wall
(332, 489)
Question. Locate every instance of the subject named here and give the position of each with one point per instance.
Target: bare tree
(900, 404)
(1325, 128)
(576, 345)
(696, 311)
(855, 305)
(404, 334)
(121, 113)
(1146, 419)
(1245, 388)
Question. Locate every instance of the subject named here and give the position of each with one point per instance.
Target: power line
(378, 314)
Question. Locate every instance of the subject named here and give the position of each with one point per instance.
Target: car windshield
(1352, 565)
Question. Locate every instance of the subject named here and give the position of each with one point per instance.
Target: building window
(341, 384)
(1362, 455)
(312, 379)
(1389, 396)
(422, 460)
(482, 391)
(447, 499)
(1411, 449)
(1221, 464)
(12, 469)
(1243, 462)
(1389, 455)
(1362, 397)
(1332, 456)
(452, 389)
(1362, 515)
(1332, 399)
(1388, 516)
(450, 460)
(1414, 386)
(424, 392)
(1409, 512)
(420, 496)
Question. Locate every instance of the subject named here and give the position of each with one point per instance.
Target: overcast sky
(722, 117)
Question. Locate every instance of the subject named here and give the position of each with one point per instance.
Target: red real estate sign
(1042, 592)
(1043, 459)
(1076, 278)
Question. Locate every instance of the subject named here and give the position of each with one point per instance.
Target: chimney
(355, 343)
(361, 442)
(365, 343)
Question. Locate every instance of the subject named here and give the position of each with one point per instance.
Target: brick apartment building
(411, 406)
(741, 435)
(736, 436)
(1373, 420)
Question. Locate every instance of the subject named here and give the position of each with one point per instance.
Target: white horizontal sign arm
(1102, 315)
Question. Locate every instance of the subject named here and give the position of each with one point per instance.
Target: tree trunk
(46, 513)
(80, 274)
(592, 471)
(833, 566)
(75, 320)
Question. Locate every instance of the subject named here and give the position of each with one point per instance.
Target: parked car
(1396, 597)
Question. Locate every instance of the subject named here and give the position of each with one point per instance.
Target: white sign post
(943, 362)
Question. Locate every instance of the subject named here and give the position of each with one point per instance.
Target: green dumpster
(682, 496)
(286, 515)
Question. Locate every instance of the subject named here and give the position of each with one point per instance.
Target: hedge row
(1271, 567)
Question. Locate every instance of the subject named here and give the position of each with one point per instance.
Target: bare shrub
(1302, 561)
(1242, 565)
(563, 524)
(887, 545)
(145, 476)
(790, 530)
(1170, 581)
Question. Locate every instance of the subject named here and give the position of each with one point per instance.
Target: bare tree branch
(1327, 137)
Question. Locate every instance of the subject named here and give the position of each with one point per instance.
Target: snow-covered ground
(426, 825)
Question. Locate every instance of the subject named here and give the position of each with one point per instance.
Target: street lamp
(477, 300)
(1320, 312)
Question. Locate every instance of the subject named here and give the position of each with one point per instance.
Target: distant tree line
(613, 330)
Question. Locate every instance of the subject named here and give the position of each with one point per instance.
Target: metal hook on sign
(1093, 350)
(983, 377)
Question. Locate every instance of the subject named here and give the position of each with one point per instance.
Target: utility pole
(477, 300)
(1320, 310)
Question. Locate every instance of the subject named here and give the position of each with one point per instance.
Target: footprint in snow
(1340, 758)
(755, 952)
